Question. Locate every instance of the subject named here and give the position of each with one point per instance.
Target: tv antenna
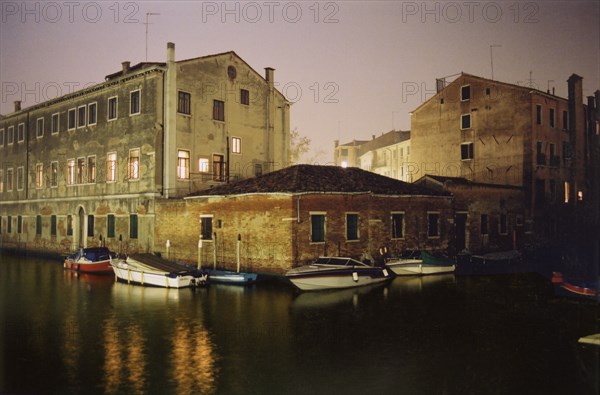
(147, 23)
(492, 57)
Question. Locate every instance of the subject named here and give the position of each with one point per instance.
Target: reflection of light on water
(112, 358)
(193, 359)
(71, 345)
(135, 358)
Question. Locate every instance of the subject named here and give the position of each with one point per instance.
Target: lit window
(1, 180)
(111, 167)
(218, 167)
(71, 172)
(39, 175)
(580, 196)
(236, 145)
(183, 164)
(567, 192)
(91, 169)
(54, 174)
(134, 164)
(344, 164)
(203, 165)
(80, 170)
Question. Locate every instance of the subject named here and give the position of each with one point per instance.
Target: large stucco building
(88, 168)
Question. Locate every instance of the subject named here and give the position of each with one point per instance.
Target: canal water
(63, 333)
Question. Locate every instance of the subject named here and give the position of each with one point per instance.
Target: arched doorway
(81, 239)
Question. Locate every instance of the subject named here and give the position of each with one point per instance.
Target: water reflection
(332, 298)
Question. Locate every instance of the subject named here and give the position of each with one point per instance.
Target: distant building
(297, 214)
(87, 168)
(497, 133)
(388, 155)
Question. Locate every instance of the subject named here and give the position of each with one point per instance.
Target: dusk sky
(352, 68)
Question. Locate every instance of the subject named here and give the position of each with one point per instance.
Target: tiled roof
(312, 178)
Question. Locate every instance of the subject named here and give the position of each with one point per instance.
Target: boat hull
(89, 267)
(411, 267)
(141, 275)
(229, 277)
(90, 260)
(315, 278)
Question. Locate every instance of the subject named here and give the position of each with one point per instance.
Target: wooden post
(200, 253)
(239, 239)
(215, 251)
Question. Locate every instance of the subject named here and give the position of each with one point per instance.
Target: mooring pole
(215, 251)
(200, 253)
(239, 239)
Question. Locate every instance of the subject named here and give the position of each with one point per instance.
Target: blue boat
(229, 277)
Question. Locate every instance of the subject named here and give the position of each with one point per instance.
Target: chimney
(170, 52)
(17, 105)
(575, 88)
(270, 76)
(126, 66)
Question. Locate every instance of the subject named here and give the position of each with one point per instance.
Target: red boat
(589, 291)
(91, 260)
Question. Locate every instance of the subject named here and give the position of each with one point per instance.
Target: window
(81, 116)
(19, 224)
(183, 164)
(551, 115)
(134, 102)
(397, 225)
(1, 137)
(184, 104)
(134, 164)
(90, 227)
(218, 168)
(133, 226)
(39, 131)
(53, 225)
(565, 120)
(9, 224)
(110, 225)
(465, 93)
(1, 180)
(236, 145)
(466, 151)
(80, 170)
(92, 113)
(11, 135)
(433, 225)
(39, 175)
(203, 165)
(465, 121)
(71, 172)
(245, 97)
(503, 225)
(21, 132)
(38, 225)
(540, 156)
(55, 124)
(112, 108)
(567, 191)
(111, 167)
(317, 228)
(352, 227)
(91, 169)
(69, 225)
(54, 174)
(20, 178)
(9, 179)
(483, 224)
(538, 114)
(218, 110)
(206, 227)
(71, 116)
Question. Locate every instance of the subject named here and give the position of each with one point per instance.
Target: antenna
(146, 23)
(492, 56)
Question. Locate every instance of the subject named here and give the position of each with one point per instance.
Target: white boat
(422, 263)
(145, 269)
(335, 273)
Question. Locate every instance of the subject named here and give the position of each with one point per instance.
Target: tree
(299, 145)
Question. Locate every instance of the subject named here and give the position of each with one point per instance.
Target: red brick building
(291, 216)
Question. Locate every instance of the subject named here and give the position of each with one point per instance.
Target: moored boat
(420, 263)
(145, 269)
(229, 277)
(574, 287)
(336, 272)
(91, 260)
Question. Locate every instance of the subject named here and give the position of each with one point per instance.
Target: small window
(465, 121)
(112, 108)
(134, 164)
(20, 178)
(206, 227)
(38, 225)
(245, 97)
(54, 126)
(218, 167)
(111, 167)
(551, 117)
(184, 103)
(39, 130)
(1, 180)
(53, 174)
(9, 224)
(1, 137)
(466, 151)
(81, 170)
(433, 225)
(352, 227)
(71, 119)
(10, 139)
(483, 224)
(134, 102)
(92, 113)
(53, 225)
(465, 93)
(236, 145)
(21, 132)
(397, 225)
(218, 110)
(133, 226)
(90, 227)
(9, 180)
(538, 114)
(317, 234)
(203, 165)
(69, 225)
(183, 165)
(39, 175)
(19, 224)
(110, 225)
(71, 172)
(81, 116)
(91, 169)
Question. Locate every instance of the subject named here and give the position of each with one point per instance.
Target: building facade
(87, 168)
(497, 133)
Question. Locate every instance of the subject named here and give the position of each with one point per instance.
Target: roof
(319, 179)
(135, 67)
(445, 181)
(385, 140)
